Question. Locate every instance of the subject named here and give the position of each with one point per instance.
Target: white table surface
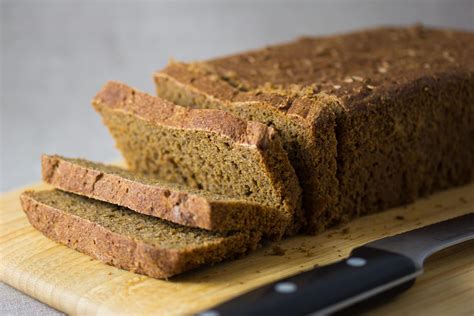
(55, 55)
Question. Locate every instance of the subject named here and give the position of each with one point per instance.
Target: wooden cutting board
(76, 284)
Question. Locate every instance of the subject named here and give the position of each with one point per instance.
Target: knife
(380, 267)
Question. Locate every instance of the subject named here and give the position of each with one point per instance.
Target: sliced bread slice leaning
(173, 202)
(204, 149)
(126, 239)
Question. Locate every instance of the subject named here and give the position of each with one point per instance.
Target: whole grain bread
(208, 150)
(169, 201)
(370, 120)
(129, 240)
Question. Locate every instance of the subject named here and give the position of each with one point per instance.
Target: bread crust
(337, 65)
(118, 96)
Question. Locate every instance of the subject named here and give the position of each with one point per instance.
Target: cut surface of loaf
(370, 119)
(173, 202)
(126, 239)
(205, 149)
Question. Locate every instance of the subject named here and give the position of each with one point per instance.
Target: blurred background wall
(55, 55)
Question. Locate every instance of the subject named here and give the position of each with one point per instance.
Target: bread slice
(370, 120)
(208, 150)
(126, 239)
(306, 121)
(172, 202)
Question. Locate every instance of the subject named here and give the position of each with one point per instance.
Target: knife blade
(382, 266)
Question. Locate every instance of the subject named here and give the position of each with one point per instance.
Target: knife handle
(366, 273)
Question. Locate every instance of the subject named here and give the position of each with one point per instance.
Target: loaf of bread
(129, 240)
(169, 201)
(208, 150)
(370, 120)
(363, 122)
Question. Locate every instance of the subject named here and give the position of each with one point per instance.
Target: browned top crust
(119, 96)
(352, 67)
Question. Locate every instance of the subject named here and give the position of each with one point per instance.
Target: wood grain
(77, 284)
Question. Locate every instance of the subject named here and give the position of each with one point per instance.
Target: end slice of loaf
(126, 239)
(173, 202)
(204, 149)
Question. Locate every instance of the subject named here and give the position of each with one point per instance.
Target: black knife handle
(366, 273)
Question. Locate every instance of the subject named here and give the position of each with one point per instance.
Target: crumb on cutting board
(307, 252)
(277, 251)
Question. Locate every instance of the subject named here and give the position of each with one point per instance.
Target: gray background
(55, 55)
